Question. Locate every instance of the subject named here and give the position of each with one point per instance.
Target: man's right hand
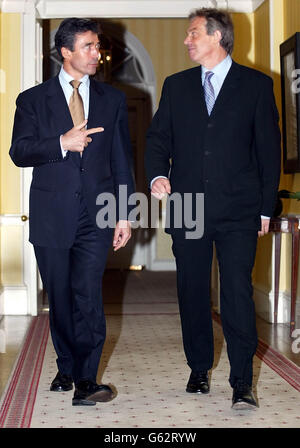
(77, 138)
(160, 187)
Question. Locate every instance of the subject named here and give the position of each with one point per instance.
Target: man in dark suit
(218, 125)
(73, 131)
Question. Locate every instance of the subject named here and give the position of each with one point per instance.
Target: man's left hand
(122, 234)
(264, 227)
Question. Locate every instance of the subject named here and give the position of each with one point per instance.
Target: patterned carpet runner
(143, 358)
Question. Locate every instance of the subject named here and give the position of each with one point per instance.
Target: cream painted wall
(10, 236)
(286, 21)
(10, 65)
(262, 278)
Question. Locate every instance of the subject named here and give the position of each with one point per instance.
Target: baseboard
(13, 300)
(162, 265)
(264, 305)
(1, 303)
(215, 299)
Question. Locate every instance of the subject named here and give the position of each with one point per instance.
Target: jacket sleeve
(268, 146)
(159, 139)
(27, 148)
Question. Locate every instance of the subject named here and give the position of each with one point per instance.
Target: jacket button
(81, 169)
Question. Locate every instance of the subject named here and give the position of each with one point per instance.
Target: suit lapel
(97, 111)
(228, 89)
(58, 106)
(195, 89)
(60, 113)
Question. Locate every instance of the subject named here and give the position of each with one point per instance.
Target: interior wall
(163, 39)
(262, 269)
(10, 68)
(286, 21)
(10, 65)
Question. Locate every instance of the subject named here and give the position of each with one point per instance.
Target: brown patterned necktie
(76, 104)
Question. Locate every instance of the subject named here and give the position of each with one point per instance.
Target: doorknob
(24, 218)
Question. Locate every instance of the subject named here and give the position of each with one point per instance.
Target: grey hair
(217, 20)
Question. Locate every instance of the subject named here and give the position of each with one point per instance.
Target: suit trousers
(236, 255)
(72, 278)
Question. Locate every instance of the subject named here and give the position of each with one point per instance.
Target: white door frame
(32, 74)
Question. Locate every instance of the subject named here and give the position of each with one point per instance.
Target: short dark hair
(69, 28)
(217, 20)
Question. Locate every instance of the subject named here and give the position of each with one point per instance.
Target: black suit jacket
(232, 156)
(42, 115)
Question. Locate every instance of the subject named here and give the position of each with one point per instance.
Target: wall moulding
(18, 6)
(47, 9)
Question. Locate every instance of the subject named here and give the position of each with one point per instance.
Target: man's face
(201, 46)
(83, 60)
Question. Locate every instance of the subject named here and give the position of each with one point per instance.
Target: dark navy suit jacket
(232, 156)
(42, 115)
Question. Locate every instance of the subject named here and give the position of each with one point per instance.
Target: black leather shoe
(61, 383)
(198, 383)
(88, 393)
(242, 398)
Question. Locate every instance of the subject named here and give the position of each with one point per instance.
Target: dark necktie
(209, 92)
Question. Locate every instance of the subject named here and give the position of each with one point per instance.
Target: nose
(186, 40)
(95, 52)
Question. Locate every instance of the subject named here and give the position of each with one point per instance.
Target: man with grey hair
(216, 132)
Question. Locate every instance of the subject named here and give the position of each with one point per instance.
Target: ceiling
(123, 8)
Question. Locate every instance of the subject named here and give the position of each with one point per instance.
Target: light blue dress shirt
(220, 72)
(84, 91)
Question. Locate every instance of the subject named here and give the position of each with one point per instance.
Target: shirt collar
(65, 77)
(221, 68)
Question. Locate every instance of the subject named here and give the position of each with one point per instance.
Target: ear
(218, 36)
(66, 53)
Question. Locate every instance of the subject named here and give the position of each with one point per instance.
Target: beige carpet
(143, 358)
